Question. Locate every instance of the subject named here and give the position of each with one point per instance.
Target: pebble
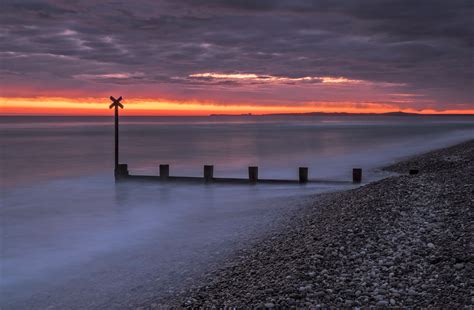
(305, 288)
(412, 292)
(382, 303)
(379, 297)
(459, 266)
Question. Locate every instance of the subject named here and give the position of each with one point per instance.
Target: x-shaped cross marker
(116, 102)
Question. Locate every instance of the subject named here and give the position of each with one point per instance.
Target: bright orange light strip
(135, 106)
(274, 79)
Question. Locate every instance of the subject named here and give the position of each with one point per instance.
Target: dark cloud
(424, 45)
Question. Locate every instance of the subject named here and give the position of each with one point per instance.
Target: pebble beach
(404, 241)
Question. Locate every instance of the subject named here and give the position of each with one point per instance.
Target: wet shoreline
(402, 242)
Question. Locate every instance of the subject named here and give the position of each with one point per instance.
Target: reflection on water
(43, 148)
(72, 238)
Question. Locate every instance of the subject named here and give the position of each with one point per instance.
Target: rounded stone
(459, 266)
(382, 303)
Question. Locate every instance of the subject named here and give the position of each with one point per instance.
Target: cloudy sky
(237, 56)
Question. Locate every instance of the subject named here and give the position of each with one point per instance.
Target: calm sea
(72, 238)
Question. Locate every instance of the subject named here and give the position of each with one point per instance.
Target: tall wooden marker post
(119, 169)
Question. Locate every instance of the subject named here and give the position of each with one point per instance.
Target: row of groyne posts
(122, 173)
(121, 170)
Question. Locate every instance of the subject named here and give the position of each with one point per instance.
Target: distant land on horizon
(399, 113)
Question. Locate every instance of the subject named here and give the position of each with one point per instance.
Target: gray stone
(382, 303)
(459, 266)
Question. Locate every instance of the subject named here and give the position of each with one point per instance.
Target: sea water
(72, 238)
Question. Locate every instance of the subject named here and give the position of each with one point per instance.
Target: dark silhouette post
(357, 175)
(208, 173)
(253, 174)
(164, 171)
(303, 174)
(121, 171)
(116, 104)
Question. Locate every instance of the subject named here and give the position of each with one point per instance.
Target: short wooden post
(253, 174)
(208, 173)
(303, 174)
(121, 171)
(413, 171)
(164, 171)
(357, 175)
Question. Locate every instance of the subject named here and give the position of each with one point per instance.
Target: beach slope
(404, 241)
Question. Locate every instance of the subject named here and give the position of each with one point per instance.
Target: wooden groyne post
(116, 104)
(303, 174)
(164, 171)
(357, 175)
(208, 173)
(121, 171)
(253, 174)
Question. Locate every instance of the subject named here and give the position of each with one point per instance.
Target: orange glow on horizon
(159, 107)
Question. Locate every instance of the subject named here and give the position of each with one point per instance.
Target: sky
(196, 57)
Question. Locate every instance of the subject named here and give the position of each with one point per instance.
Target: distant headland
(398, 113)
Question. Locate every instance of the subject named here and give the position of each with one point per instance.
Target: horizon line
(315, 113)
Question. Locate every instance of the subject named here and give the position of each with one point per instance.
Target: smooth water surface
(72, 238)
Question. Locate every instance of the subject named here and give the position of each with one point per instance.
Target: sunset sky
(197, 57)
